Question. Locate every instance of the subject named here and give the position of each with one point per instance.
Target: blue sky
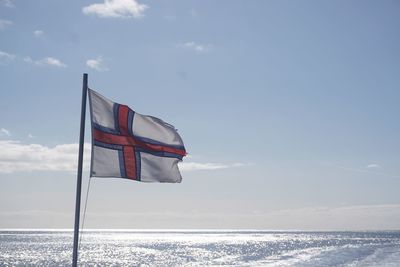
(288, 109)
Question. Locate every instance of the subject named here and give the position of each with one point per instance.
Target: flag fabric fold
(130, 145)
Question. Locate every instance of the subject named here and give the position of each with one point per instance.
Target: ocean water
(201, 248)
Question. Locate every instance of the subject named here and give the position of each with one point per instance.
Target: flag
(130, 145)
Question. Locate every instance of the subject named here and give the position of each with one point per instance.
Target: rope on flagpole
(84, 213)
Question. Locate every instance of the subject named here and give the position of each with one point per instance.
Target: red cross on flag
(129, 145)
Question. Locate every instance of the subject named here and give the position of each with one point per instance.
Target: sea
(200, 248)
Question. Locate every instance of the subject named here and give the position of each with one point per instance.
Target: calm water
(201, 248)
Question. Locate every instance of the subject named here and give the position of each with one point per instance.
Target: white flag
(130, 145)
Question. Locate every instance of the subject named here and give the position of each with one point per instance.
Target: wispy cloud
(197, 166)
(7, 56)
(116, 9)
(8, 3)
(15, 156)
(30, 136)
(4, 24)
(96, 64)
(367, 170)
(373, 166)
(38, 33)
(4, 132)
(51, 61)
(47, 61)
(200, 48)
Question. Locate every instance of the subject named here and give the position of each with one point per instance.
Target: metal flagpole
(79, 175)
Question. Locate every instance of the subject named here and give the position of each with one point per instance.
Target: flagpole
(79, 174)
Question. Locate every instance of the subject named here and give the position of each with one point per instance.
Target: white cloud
(369, 169)
(15, 156)
(96, 64)
(373, 166)
(5, 55)
(38, 33)
(30, 136)
(5, 23)
(240, 164)
(4, 132)
(116, 9)
(47, 61)
(8, 3)
(52, 62)
(196, 166)
(196, 47)
(29, 60)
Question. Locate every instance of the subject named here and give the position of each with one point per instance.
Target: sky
(289, 111)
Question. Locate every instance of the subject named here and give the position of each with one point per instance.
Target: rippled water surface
(201, 248)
